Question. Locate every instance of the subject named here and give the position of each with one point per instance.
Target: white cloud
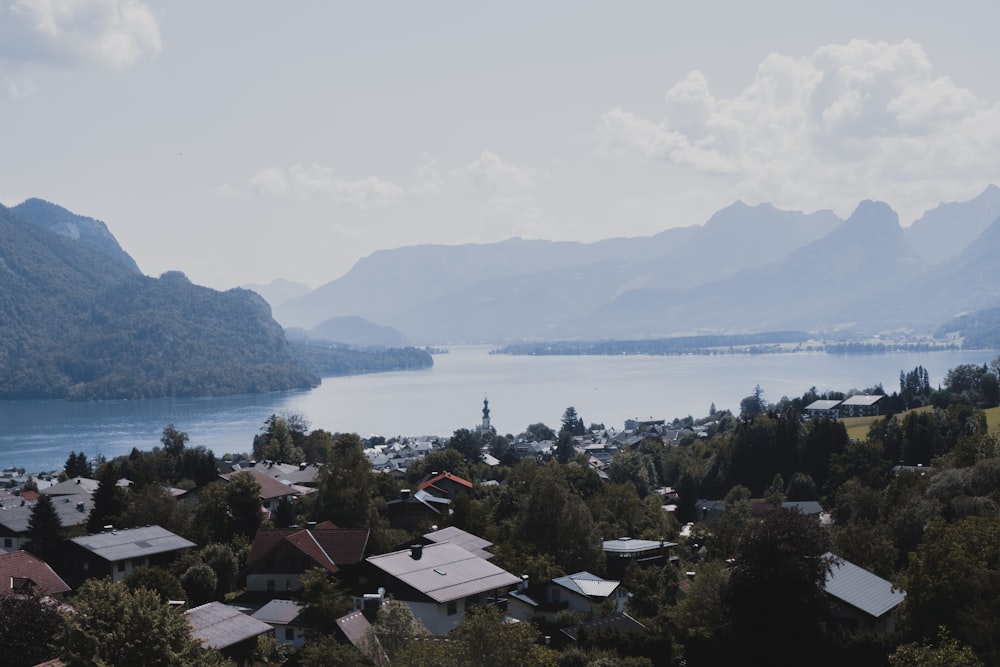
(113, 33)
(316, 180)
(847, 122)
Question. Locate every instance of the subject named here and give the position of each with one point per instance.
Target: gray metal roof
(822, 404)
(588, 584)
(279, 612)
(444, 571)
(15, 517)
(860, 588)
(464, 539)
(219, 626)
(863, 399)
(628, 545)
(117, 545)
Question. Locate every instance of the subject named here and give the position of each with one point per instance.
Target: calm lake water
(38, 435)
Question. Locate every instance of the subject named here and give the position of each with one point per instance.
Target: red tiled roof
(444, 475)
(21, 565)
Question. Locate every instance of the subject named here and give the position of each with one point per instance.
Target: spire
(486, 414)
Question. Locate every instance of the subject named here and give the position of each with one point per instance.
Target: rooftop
(444, 571)
(219, 626)
(279, 612)
(860, 588)
(588, 584)
(117, 545)
(20, 567)
(466, 540)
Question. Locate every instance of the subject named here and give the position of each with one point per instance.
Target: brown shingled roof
(270, 488)
(327, 547)
(18, 566)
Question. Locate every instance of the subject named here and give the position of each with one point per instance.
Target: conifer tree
(45, 529)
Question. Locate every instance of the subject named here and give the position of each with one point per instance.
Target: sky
(243, 142)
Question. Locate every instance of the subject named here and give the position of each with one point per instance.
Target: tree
(224, 564)
(158, 580)
(153, 505)
(946, 652)
(754, 404)
(468, 443)
(45, 529)
(328, 650)
(571, 422)
(107, 499)
(28, 624)
(951, 582)
(113, 625)
(227, 509)
(77, 466)
(779, 572)
(280, 438)
(173, 442)
(558, 523)
(540, 432)
(345, 492)
(325, 601)
(199, 582)
(394, 626)
(486, 641)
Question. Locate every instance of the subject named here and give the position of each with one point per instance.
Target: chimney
(416, 551)
(404, 494)
(523, 585)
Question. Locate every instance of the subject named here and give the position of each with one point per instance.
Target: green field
(857, 427)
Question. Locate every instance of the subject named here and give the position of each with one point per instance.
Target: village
(438, 569)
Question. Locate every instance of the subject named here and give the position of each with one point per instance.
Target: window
(8, 542)
(121, 566)
(452, 608)
(270, 585)
(289, 634)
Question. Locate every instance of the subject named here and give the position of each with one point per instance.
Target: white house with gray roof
(440, 582)
(116, 553)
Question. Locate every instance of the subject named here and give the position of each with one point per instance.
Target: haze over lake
(38, 435)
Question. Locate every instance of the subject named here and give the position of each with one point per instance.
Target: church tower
(486, 415)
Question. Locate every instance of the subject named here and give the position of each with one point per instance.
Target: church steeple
(486, 414)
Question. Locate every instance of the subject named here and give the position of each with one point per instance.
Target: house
(861, 405)
(116, 553)
(272, 491)
(586, 592)
(14, 517)
(581, 592)
(620, 553)
(859, 599)
(228, 630)
(444, 485)
(21, 572)
(440, 582)
(285, 617)
(278, 558)
(412, 511)
(821, 408)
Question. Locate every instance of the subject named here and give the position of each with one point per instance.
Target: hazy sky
(247, 141)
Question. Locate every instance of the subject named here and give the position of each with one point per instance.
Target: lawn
(857, 427)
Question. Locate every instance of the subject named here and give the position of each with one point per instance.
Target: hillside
(79, 321)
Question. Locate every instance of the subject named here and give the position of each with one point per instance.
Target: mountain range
(747, 269)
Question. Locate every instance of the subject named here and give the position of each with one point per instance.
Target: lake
(38, 435)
